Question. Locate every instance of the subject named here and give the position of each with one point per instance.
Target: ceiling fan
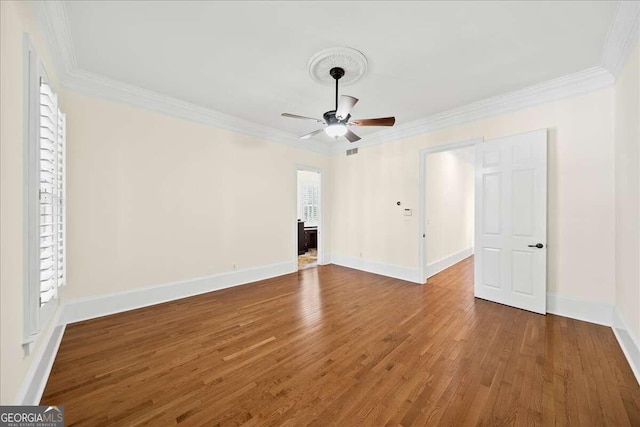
(339, 120)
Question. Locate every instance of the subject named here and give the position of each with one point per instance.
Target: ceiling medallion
(353, 62)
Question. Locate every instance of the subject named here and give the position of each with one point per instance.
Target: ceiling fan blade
(295, 116)
(345, 105)
(382, 121)
(310, 134)
(352, 137)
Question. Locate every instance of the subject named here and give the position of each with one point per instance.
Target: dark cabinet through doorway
(307, 238)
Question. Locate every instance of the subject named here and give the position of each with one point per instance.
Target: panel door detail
(511, 226)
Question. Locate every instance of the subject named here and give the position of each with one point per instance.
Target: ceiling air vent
(352, 151)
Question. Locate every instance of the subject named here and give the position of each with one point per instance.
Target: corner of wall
(628, 342)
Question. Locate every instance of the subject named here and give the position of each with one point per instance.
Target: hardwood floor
(308, 260)
(332, 346)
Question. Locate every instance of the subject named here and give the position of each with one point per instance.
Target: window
(51, 200)
(45, 225)
(310, 199)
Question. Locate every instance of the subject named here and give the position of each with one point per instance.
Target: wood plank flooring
(337, 347)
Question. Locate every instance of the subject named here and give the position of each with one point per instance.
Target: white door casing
(511, 219)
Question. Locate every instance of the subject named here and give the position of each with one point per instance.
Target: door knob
(537, 245)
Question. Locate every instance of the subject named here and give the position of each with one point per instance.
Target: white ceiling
(249, 59)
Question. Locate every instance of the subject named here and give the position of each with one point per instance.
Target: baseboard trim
(390, 270)
(446, 262)
(628, 342)
(580, 309)
(37, 375)
(73, 311)
(104, 305)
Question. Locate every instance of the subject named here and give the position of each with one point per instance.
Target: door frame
(422, 201)
(321, 216)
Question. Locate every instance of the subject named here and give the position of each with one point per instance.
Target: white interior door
(511, 221)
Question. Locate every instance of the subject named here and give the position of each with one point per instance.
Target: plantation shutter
(52, 195)
(310, 203)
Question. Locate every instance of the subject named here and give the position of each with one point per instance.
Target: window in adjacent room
(310, 203)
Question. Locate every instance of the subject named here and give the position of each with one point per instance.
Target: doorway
(309, 217)
(448, 199)
(448, 206)
(510, 219)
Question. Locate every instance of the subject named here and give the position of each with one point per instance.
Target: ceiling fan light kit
(336, 130)
(338, 120)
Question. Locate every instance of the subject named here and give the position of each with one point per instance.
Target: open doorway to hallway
(449, 194)
(309, 215)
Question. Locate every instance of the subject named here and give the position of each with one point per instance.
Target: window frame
(36, 317)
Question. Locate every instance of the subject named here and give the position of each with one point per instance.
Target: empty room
(353, 213)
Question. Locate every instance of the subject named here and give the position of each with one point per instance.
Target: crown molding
(53, 17)
(102, 87)
(574, 84)
(55, 25)
(622, 36)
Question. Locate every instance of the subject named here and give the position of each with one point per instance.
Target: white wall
(154, 199)
(581, 245)
(16, 19)
(627, 155)
(450, 203)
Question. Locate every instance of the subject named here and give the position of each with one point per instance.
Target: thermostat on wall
(407, 212)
